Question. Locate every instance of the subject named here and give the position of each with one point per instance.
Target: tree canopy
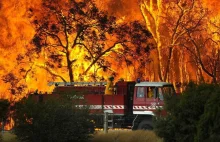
(74, 32)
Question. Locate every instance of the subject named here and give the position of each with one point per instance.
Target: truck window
(140, 92)
(151, 92)
(168, 90)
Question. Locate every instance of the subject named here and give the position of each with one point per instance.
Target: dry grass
(126, 136)
(9, 137)
(111, 136)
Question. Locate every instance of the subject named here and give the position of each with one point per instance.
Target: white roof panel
(157, 84)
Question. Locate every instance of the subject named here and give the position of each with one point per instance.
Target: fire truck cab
(148, 97)
(131, 106)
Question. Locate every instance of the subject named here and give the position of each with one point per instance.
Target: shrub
(209, 124)
(52, 120)
(183, 113)
(4, 111)
(165, 127)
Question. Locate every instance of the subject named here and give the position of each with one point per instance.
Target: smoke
(213, 5)
(126, 9)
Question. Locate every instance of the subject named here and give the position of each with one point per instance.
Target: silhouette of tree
(65, 30)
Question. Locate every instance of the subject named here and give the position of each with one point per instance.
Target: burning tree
(76, 36)
(171, 23)
(205, 49)
(72, 39)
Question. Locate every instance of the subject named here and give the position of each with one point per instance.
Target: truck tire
(145, 125)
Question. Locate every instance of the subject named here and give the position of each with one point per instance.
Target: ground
(111, 136)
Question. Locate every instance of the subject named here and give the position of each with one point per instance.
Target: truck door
(140, 96)
(130, 96)
(151, 97)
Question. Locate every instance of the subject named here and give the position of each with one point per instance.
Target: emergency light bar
(77, 83)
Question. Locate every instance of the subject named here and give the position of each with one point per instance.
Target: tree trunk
(159, 58)
(168, 64)
(69, 67)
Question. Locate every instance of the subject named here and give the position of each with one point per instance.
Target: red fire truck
(131, 106)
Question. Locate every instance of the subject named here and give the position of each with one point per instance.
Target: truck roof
(157, 84)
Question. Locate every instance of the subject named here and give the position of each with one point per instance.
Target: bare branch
(52, 72)
(199, 55)
(90, 53)
(57, 37)
(100, 55)
(65, 29)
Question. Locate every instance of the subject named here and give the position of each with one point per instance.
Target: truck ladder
(111, 120)
(77, 83)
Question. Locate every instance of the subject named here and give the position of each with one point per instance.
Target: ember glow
(17, 31)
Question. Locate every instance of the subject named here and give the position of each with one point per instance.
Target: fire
(167, 21)
(213, 5)
(17, 31)
(9, 125)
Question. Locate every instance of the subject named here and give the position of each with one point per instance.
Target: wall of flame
(16, 32)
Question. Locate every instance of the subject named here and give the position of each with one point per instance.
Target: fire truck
(132, 105)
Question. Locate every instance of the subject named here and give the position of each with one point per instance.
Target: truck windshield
(168, 90)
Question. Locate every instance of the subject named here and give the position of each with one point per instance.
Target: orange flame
(17, 31)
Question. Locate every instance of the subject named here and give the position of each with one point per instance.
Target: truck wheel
(145, 125)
